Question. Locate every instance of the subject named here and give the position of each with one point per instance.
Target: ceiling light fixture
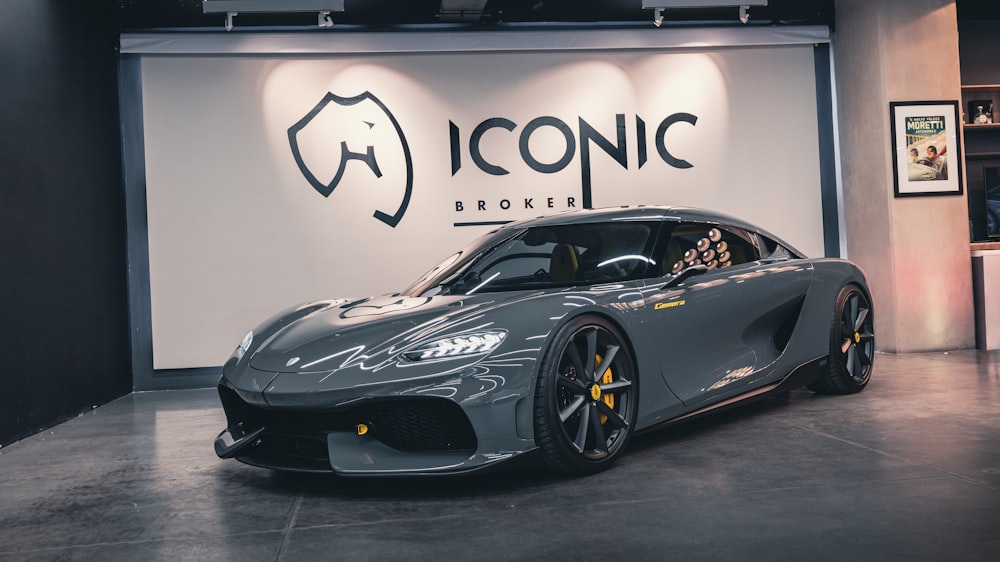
(659, 5)
(233, 7)
(461, 10)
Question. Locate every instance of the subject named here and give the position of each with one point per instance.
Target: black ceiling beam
(139, 15)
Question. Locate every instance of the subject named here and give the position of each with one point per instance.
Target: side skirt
(805, 374)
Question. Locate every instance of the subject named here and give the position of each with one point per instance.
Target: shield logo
(357, 141)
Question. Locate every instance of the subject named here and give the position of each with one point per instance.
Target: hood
(337, 336)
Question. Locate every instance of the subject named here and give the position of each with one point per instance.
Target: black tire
(852, 345)
(581, 423)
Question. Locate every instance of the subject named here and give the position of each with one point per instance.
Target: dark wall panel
(977, 46)
(63, 294)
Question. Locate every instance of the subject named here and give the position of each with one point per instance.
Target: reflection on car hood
(335, 336)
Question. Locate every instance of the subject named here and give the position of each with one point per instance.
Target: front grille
(428, 424)
(423, 424)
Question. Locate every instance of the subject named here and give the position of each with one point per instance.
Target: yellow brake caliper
(608, 398)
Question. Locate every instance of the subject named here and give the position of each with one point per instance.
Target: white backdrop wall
(238, 232)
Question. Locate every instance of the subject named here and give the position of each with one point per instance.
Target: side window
(772, 250)
(555, 256)
(710, 245)
(520, 262)
(619, 252)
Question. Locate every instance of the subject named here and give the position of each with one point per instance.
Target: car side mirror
(686, 274)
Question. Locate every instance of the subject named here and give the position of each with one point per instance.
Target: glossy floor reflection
(907, 470)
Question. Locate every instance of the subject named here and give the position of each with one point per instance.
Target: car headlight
(475, 343)
(244, 345)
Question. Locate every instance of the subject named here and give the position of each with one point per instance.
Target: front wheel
(852, 345)
(586, 397)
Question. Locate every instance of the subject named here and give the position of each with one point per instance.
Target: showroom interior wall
(238, 232)
(63, 317)
(63, 296)
(915, 250)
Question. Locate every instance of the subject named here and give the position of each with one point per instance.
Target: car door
(719, 331)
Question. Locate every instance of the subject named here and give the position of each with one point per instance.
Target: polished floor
(907, 470)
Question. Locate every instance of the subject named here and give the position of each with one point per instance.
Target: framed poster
(926, 155)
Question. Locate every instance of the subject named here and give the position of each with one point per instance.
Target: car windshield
(542, 257)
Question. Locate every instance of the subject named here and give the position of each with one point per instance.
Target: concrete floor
(907, 470)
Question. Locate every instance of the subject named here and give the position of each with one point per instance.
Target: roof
(646, 213)
(635, 212)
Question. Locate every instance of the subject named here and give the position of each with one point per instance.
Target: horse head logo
(366, 133)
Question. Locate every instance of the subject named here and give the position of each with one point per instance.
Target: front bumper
(352, 455)
(461, 424)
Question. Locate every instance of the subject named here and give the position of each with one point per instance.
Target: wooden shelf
(981, 126)
(980, 87)
(989, 94)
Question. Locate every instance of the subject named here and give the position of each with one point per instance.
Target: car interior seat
(563, 263)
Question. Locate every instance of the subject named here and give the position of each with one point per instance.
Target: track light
(461, 10)
(659, 5)
(233, 7)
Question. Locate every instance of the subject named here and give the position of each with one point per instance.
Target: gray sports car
(553, 340)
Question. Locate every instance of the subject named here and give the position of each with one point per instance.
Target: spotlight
(659, 5)
(232, 7)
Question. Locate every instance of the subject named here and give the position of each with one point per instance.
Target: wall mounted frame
(926, 148)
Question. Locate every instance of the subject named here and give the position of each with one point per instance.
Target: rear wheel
(586, 397)
(852, 345)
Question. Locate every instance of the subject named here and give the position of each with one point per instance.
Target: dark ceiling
(143, 15)
(139, 15)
